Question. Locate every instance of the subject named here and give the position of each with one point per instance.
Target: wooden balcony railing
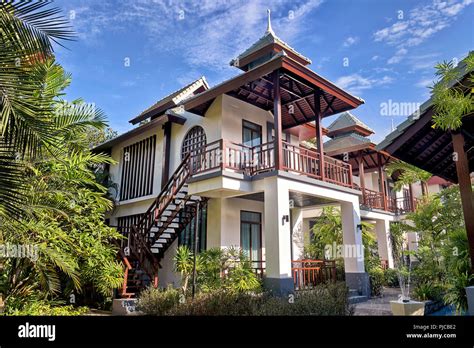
(223, 154)
(309, 273)
(398, 205)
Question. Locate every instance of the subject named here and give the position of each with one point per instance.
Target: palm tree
(409, 174)
(27, 31)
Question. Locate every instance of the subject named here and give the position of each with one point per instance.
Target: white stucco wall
(224, 221)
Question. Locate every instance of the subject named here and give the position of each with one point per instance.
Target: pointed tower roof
(347, 123)
(265, 49)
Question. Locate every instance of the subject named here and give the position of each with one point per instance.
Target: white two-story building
(235, 158)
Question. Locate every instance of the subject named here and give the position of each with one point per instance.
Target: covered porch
(284, 265)
(296, 96)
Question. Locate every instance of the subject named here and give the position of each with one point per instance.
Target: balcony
(397, 205)
(251, 161)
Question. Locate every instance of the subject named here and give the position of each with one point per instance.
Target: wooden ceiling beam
(329, 104)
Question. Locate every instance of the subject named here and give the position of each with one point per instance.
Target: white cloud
(206, 33)
(351, 40)
(398, 56)
(425, 82)
(356, 83)
(422, 22)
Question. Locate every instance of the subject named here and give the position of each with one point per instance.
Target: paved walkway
(379, 305)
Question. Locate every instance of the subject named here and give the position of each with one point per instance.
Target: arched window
(194, 139)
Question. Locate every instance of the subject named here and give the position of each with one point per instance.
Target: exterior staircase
(169, 214)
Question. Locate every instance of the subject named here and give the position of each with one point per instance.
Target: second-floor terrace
(252, 162)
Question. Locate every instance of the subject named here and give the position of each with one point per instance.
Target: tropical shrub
(442, 266)
(328, 230)
(227, 269)
(428, 291)
(155, 301)
(377, 280)
(325, 299)
(40, 308)
(391, 278)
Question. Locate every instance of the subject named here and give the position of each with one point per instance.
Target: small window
(251, 134)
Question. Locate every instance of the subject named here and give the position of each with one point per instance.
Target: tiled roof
(345, 141)
(345, 120)
(268, 38)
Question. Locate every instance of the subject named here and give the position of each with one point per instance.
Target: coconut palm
(27, 31)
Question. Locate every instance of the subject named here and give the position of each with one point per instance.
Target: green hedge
(326, 299)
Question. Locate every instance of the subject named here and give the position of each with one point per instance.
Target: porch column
(277, 120)
(384, 243)
(319, 133)
(278, 278)
(166, 153)
(381, 181)
(356, 277)
(215, 208)
(297, 234)
(465, 188)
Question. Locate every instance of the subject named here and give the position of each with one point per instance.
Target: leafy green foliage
(42, 308)
(450, 101)
(428, 291)
(391, 278)
(377, 280)
(328, 230)
(443, 263)
(409, 174)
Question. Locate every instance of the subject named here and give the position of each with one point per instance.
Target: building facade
(232, 166)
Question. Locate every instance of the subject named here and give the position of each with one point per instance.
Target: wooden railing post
(319, 133)
(381, 180)
(277, 120)
(223, 154)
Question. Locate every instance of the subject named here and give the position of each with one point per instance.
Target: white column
(382, 229)
(356, 277)
(297, 233)
(352, 237)
(277, 236)
(214, 223)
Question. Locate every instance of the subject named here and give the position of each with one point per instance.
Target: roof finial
(269, 23)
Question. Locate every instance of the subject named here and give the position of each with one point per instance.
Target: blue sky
(129, 54)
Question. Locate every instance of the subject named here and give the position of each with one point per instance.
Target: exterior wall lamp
(285, 218)
(359, 227)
